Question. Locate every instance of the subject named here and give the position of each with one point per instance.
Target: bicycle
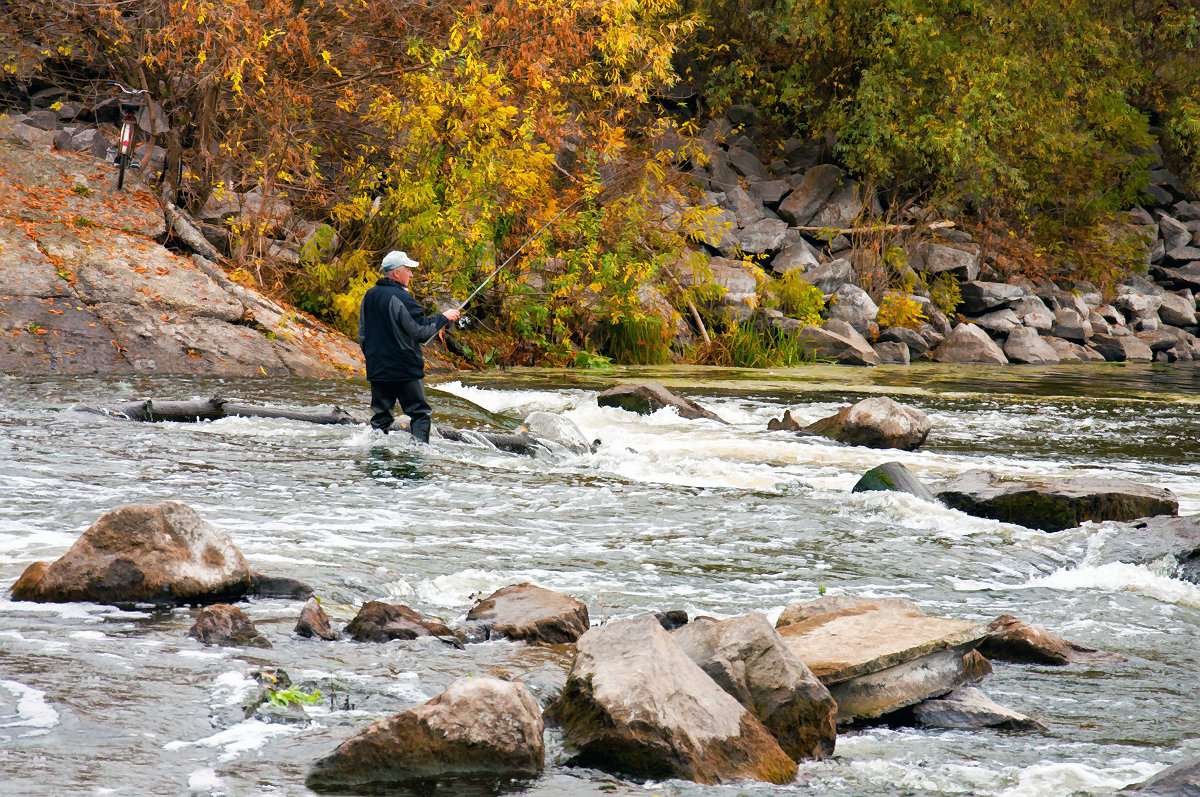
(131, 103)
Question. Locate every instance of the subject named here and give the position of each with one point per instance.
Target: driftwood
(520, 443)
(151, 411)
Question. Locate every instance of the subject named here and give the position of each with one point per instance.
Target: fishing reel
(463, 321)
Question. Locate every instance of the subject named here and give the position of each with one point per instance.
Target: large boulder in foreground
(529, 613)
(478, 727)
(1054, 505)
(1010, 639)
(142, 553)
(1181, 780)
(876, 659)
(650, 397)
(749, 660)
(635, 704)
(877, 422)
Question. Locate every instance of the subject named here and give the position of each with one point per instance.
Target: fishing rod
(462, 321)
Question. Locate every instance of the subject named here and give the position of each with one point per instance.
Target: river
(666, 514)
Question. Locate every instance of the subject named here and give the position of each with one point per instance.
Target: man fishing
(391, 329)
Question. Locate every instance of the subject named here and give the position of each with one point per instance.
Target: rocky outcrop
(650, 397)
(314, 622)
(967, 343)
(635, 704)
(478, 727)
(895, 477)
(968, 708)
(528, 613)
(876, 659)
(1010, 639)
(222, 624)
(877, 422)
(377, 621)
(1167, 545)
(1053, 505)
(749, 660)
(90, 288)
(161, 553)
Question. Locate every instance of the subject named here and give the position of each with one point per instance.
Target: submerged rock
(314, 622)
(478, 727)
(1181, 780)
(1170, 546)
(877, 422)
(968, 708)
(529, 613)
(1053, 505)
(143, 553)
(875, 660)
(1010, 639)
(649, 397)
(893, 476)
(222, 624)
(635, 704)
(377, 621)
(749, 660)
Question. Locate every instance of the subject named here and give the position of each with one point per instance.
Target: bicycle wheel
(125, 152)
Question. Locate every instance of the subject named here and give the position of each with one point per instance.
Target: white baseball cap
(395, 259)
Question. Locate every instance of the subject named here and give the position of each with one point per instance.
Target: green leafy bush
(799, 299)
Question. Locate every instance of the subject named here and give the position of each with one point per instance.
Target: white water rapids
(667, 513)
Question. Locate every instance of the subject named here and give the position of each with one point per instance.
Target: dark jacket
(391, 329)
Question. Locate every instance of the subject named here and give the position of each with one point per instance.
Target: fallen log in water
(153, 411)
(519, 443)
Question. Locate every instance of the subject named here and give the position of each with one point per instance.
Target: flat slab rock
(529, 613)
(1053, 505)
(878, 658)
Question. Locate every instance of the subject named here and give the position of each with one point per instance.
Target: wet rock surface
(223, 624)
(161, 553)
(314, 622)
(968, 708)
(1014, 640)
(877, 422)
(635, 704)
(1053, 505)
(893, 476)
(478, 727)
(377, 621)
(650, 397)
(528, 613)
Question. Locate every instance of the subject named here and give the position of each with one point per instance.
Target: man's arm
(421, 331)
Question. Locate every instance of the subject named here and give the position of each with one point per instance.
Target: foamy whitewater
(666, 513)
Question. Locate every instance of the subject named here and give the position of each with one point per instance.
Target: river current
(666, 514)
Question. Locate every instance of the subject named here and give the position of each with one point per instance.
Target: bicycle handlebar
(126, 90)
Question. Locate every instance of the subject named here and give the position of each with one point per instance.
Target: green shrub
(799, 299)
(638, 341)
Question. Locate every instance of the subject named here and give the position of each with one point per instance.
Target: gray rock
(1181, 780)
(854, 306)
(933, 258)
(1186, 276)
(1025, 345)
(1173, 233)
(893, 352)
(1169, 546)
(820, 183)
(802, 611)
(722, 176)
(746, 208)
(747, 164)
(911, 338)
(1178, 309)
(877, 660)
(981, 297)
(893, 476)
(714, 228)
(770, 192)
(1183, 254)
(841, 348)
(32, 137)
(998, 322)
(828, 277)
(932, 337)
(1122, 348)
(649, 397)
(843, 208)
(797, 255)
(749, 660)
(1034, 313)
(478, 727)
(968, 708)
(1053, 505)
(1070, 325)
(967, 343)
(635, 704)
(765, 236)
(1187, 211)
(876, 422)
(1010, 639)
(529, 613)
